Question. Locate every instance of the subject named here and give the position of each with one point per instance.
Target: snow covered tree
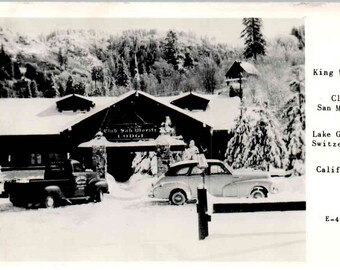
(299, 33)
(254, 41)
(257, 141)
(294, 132)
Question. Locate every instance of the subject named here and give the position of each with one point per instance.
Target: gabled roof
(39, 116)
(191, 101)
(74, 102)
(241, 67)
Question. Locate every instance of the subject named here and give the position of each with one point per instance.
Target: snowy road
(143, 229)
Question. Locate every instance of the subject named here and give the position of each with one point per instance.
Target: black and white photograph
(152, 139)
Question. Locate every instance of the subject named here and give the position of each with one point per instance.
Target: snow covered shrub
(257, 141)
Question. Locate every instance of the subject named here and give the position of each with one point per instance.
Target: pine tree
(254, 41)
(188, 60)
(69, 86)
(51, 88)
(299, 33)
(207, 70)
(236, 145)
(97, 74)
(123, 75)
(16, 71)
(34, 88)
(294, 132)
(62, 58)
(257, 141)
(31, 71)
(6, 64)
(22, 88)
(79, 88)
(171, 49)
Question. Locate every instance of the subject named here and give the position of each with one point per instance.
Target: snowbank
(138, 186)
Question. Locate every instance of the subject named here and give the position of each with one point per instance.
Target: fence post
(203, 217)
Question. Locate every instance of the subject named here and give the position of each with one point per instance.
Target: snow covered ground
(128, 226)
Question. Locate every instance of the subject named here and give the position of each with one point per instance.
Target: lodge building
(32, 131)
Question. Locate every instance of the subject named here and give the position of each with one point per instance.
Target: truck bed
(31, 191)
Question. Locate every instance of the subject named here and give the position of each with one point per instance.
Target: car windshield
(77, 167)
(230, 170)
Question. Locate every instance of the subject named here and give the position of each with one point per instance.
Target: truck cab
(64, 182)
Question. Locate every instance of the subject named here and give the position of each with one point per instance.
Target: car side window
(183, 171)
(218, 169)
(196, 171)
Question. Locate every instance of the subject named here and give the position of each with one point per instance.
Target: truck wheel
(99, 196)
(50, 201)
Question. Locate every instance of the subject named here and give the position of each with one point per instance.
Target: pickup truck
(64, 182)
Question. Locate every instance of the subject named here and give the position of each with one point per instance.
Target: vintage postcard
(169, 132)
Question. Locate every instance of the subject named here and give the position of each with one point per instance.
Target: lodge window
(36, 159)
(54, 156)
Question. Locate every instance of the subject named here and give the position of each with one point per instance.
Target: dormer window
(74, 103)
(191, 102)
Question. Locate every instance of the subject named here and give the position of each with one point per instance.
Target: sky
(217, 30)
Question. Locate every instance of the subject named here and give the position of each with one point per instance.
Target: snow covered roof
(147, 143)
(249, 68)
(220, 114)
(238, 67)
(39, 116)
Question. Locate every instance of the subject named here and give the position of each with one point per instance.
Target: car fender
(162, 190)
(244, 188)
(102, 184)
(55, 190)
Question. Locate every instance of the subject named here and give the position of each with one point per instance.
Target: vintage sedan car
(179, 184)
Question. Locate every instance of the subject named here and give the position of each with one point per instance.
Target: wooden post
(203, 217)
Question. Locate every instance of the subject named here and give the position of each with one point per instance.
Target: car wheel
(99, 196)
(177, 197)
(258, 194)
(50, 201)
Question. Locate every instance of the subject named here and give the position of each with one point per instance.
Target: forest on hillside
(94, 64)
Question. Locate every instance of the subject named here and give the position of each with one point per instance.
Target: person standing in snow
(153, 163)
(191, 152)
